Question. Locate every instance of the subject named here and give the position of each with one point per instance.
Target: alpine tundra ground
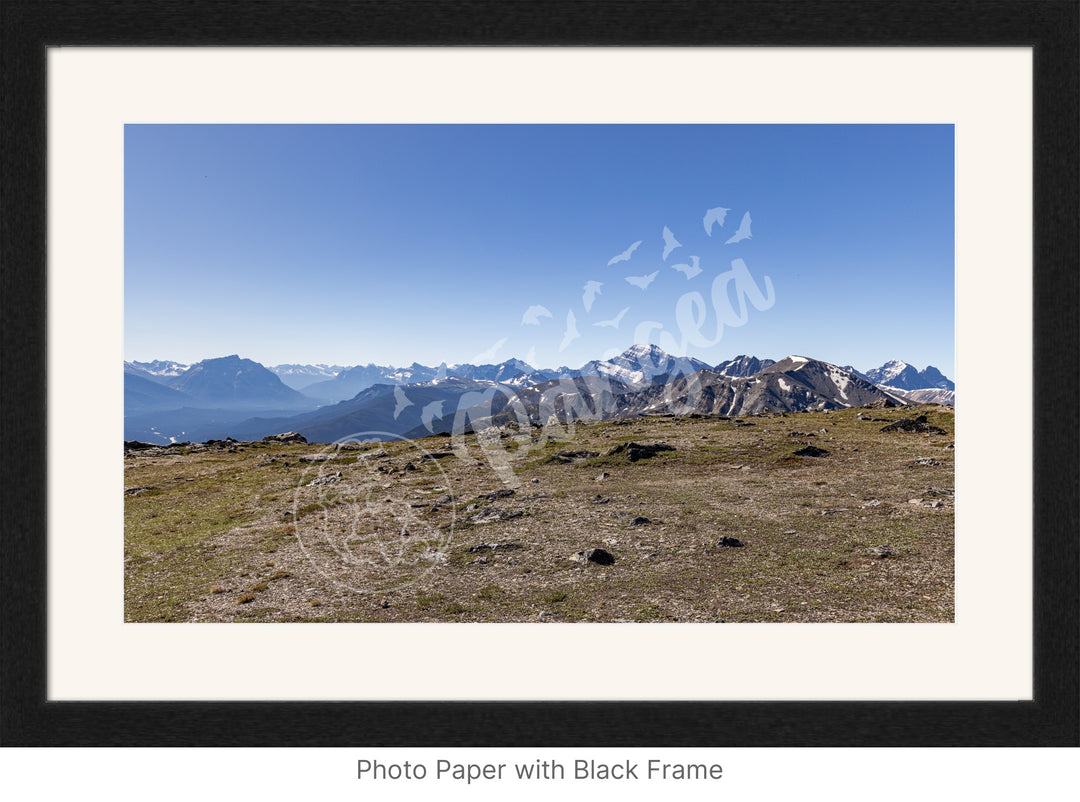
(499, 527)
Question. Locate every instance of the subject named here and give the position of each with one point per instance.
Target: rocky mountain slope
(742, 366)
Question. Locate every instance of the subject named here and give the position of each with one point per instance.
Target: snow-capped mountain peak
(640, 363)
(905, 376)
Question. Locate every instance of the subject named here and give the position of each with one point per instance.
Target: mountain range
(230, 396)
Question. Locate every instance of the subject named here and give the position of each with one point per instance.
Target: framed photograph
(657, 472)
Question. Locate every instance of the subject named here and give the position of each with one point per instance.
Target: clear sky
(352, 244)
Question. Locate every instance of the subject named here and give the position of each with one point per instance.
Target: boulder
(598, 556)
(287, 437)
(636, 451)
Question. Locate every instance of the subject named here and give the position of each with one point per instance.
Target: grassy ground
(243, 535)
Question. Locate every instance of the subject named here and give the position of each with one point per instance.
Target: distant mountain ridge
(300, 376)
(793, 384)
(231, 396)
(350, 381)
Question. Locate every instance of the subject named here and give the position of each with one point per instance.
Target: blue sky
(352, 244)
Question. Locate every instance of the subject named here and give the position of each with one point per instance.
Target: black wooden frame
(1050, 27)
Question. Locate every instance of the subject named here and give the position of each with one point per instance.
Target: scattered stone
(936, 504)
(377, 453)
(495, 547)
(927, 461)
(572, 456)
(636, 451)
(940, 491)
(881, 552)
(598, 556)
(326, 479)
(384, 604)
(493, 515)
(914, 501)
(480, 561)
(410, 467)
(738, 422)
(504, 492)
(811, 451)
(791, 532)
(598, 499)
(535, 481)
(917, 424)
(317, 458)
(872, 503)
(134, 491)
(603, 475)
(729, 543)
(287, 437)
(641, 520)
(801, 434)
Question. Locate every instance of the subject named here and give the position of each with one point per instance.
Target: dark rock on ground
(811, 451)
(881, 552)
(636, 451)
(917, 424)
(928, 461)
(641, 520)
(729, 542)
(493, 515)
(598, 556)
(327, 479)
